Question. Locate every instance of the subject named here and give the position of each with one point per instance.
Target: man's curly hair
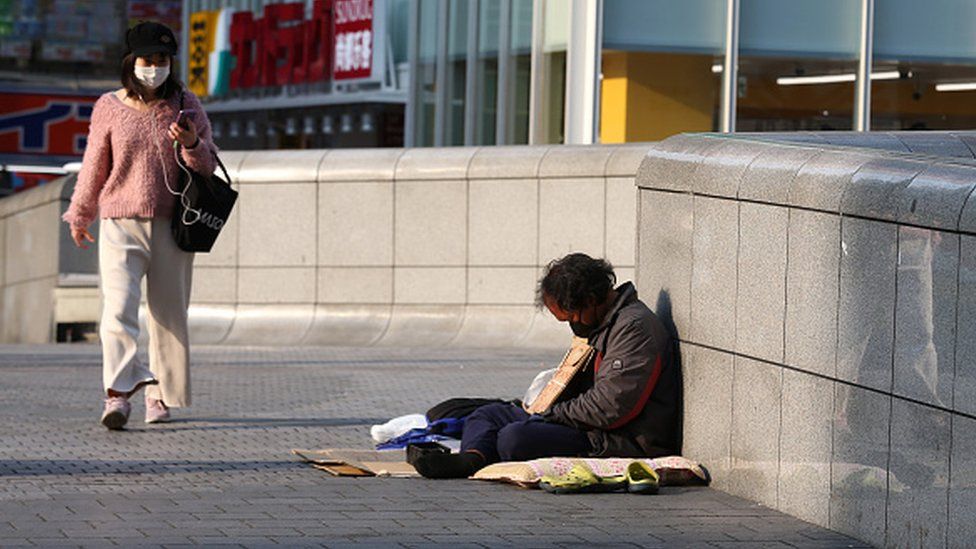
(576, 281)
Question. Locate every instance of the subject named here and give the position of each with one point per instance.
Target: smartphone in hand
(181, 118)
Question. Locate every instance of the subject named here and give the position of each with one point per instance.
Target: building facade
(299, 74)
(273, 74)
(390, 73)
(56, 58)
(581, 71)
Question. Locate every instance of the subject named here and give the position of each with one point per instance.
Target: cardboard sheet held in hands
(576, 359)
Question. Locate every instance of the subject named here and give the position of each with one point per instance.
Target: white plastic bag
(536, 387)
(397, 426)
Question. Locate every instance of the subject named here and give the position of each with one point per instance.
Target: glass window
(397, 25)
(929, 50)
(797, 64)
(551, 104)
(487, 73)
(457, 52)
(520, 79)
(426, 73)
(657, 68)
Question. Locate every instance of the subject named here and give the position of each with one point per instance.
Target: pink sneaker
(116, 412)
(156, 411)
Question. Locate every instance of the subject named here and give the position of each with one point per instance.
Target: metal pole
(597, 71)
(862, 105)
(471, 76)
(413, 91)
(730, 73)
(184, 45)
(503, 97)
(440, 75)
(582, 72)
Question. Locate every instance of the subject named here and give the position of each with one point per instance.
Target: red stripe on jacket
(646, 394)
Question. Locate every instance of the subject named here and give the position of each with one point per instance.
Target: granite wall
(44, 279)
(372, 246)
(822, 287)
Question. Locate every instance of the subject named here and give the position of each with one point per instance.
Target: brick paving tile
(58, 542)
(341, 531)
(222, 474)
(384, 543)
(828, 544)
(223, 541)
(750, 544)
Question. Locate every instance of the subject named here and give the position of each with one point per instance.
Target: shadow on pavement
(219, 424)
(44, 467)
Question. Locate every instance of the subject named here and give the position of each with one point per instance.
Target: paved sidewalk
(222, 473)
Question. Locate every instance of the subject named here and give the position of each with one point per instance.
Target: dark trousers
(505, 432)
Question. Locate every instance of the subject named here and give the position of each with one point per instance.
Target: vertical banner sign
(221, 61)
(353, 39)
(202, 27)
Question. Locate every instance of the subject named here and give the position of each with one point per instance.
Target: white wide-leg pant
(129, 249)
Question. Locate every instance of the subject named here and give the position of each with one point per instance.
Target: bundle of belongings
(445, 421)
(440, 429)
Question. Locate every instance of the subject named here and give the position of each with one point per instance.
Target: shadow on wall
(663, 311)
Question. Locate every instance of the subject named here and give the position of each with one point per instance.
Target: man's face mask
(581, 330)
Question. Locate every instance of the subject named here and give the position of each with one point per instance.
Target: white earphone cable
(184, 201)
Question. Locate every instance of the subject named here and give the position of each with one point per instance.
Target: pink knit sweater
(122, 173)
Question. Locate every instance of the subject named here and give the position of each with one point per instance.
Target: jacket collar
(626, 294)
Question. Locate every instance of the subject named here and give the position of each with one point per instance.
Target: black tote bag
(202, 207)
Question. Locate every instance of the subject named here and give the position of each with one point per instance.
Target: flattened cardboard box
(350, 462)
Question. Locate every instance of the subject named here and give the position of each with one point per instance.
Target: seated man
(626, 404)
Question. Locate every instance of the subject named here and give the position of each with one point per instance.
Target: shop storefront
(56, 58)
(389, 73)
(272, 73)
(612, 71)
(294, 75)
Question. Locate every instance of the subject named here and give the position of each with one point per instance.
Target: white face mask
(152, 77)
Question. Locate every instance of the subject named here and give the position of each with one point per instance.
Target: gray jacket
(629, 399)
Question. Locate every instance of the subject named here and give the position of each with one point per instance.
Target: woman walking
(130, 179)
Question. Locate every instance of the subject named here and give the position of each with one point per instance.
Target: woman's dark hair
(576, 281)
(135, 88)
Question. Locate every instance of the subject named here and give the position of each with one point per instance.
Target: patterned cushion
(674, 470)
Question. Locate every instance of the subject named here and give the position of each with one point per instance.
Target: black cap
(148, 38)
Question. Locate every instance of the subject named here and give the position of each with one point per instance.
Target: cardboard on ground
(350, 462)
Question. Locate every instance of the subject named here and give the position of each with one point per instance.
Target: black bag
(459, 407)
(202, 207)
(415, 450)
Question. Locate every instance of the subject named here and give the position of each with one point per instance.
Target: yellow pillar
(613, 98)
(651, 96)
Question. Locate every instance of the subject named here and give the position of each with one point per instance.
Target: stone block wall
(822, 292)
(409, 247)
(44, 279)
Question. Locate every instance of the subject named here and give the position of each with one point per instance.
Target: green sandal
(641, 479)
(581, 480)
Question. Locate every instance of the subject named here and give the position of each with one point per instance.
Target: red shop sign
(44, 123)
(283, 48)
(353, 39)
